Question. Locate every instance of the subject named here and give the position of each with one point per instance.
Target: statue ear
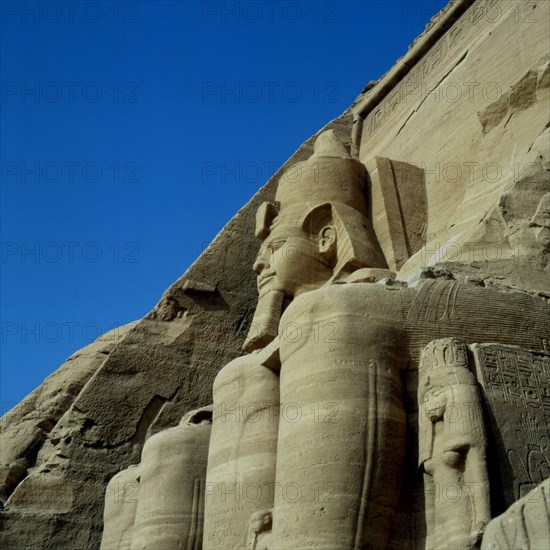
(327, 242)
(320, 223)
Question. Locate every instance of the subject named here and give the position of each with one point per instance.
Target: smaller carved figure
(452, 448)
(259, 532)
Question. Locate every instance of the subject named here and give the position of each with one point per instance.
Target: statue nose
(259, 265)
(262, 262)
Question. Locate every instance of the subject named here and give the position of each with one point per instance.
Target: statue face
(435, 400)
(290, 261)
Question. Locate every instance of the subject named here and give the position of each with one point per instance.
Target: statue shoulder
(344, 297)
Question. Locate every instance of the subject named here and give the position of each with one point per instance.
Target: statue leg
(170, 508)
(460, 502)
(430, 497)
(342, 425)
(241, 460)
(121, 500)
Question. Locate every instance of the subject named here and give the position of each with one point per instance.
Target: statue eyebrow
(267, 243)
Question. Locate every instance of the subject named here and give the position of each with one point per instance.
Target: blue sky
(131, 132)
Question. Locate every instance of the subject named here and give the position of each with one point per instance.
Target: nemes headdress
(328, 188)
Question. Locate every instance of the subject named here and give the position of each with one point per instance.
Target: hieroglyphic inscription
(517, 376)
(516, 385)
(488, 11)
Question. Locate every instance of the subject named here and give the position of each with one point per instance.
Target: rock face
(523, 525)
(428, 220)
(28, 429)
(469, 106)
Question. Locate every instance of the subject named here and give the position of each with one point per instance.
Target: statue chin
(265, 323)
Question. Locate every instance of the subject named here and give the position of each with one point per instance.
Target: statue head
(315, 232)
(443, 371)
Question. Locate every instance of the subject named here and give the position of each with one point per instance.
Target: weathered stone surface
(25, 428)
(401, 224)
(473, 113)
(343, 348)
(524, 525)
(243, 447)
(516, 391)
(452, 447)
(458, 208)
(121, 499)
(172, 474)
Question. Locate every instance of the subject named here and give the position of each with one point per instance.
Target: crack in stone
(434, 88)
(508, 120)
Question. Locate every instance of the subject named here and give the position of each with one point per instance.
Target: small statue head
(315, 232)
(443, 369)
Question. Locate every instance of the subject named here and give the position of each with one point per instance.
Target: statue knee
(242, 387)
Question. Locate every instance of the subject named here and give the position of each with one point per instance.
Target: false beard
(265, 324)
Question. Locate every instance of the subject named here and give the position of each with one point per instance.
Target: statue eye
(275, 245)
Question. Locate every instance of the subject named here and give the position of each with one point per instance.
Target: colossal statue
(371, 409)
(313, 434)
(309, 429)
(121, 500)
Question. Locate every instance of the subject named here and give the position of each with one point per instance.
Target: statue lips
(264, 278)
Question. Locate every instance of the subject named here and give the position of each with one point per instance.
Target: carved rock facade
(395, 389)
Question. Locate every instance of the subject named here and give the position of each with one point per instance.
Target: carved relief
(485, 13)
(452, 447)
(259, 533)
(516, 387)
(401, 224)
(326, 337)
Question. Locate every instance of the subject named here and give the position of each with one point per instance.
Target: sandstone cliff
(482, 162)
